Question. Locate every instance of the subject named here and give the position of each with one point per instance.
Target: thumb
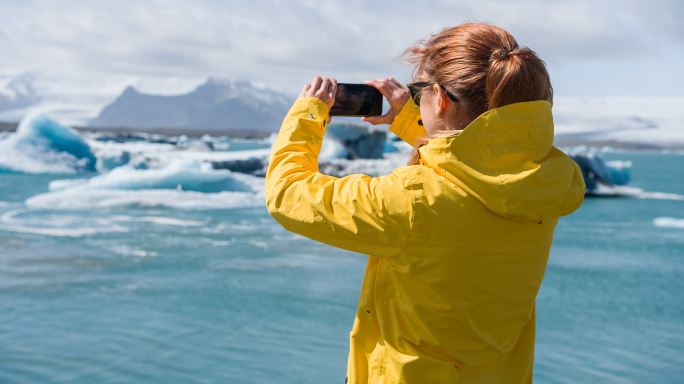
(375, 120)
(384, 119)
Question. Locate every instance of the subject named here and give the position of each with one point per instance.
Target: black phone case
(356, 100)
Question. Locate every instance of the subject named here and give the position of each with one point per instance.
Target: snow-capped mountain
(215, 105)
(104, 100)
(18, 92)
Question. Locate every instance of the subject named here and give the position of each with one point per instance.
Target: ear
(441, 102)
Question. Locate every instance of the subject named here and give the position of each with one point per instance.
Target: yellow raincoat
(457, 245)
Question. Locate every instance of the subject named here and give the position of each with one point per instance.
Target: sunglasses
(416, 87)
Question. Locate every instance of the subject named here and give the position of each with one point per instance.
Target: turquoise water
(160, 295)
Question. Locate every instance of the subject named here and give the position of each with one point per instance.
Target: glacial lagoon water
(114, 285)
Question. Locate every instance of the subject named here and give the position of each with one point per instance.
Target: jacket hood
(505, 158)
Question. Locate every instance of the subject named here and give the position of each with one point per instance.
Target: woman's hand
(396, 94)
(321, 87)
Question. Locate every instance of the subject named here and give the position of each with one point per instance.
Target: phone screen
(356, 100)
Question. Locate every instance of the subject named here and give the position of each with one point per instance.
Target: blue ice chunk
(40, 134)
(357, 141)
(390, 147)
(619, 172)
(184, 175)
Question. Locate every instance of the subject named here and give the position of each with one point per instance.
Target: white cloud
(283, 43)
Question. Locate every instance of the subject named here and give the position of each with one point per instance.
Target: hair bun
(501, 54)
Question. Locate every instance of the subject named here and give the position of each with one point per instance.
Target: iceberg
(619, 172)
(371, 167)
(355, 141)
(332, 149)
(195, 176)
(42, 145)
(395, 144)
(351, 142)
(156, 152)
(182, 184)
(252, 165)
(668, 222)
(599, 174)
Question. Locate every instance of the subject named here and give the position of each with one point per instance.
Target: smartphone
(356, 100)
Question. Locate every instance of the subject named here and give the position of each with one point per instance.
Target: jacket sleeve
(407, 124)
(364, 214)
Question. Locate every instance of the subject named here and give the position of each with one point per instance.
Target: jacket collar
(505, 159)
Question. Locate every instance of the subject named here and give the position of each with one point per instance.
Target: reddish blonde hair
(483, 66)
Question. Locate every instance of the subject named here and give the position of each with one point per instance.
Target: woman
(459, 239)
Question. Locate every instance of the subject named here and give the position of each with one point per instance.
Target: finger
(397, 83)
(316, 83)
(384, 89)
(328, 86)
(323, 89)
(390, 86)
(377, 83)
(304, 89)
(375, 120)
(371, 83)
(369, 119)
(333, 91)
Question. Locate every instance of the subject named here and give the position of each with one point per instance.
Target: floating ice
(598, 173)
(42, 145)
(394, 144)
(353, 141)
(357, 141)
(332, 149)
(106, 161)
(181, 184)
(41, 132)
(143, 154)
(371, 167)
(183, 175)
(668, 222)
(638, 193)
(125, 250)
(619, 171)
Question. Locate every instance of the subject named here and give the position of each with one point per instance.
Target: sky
(592, 48)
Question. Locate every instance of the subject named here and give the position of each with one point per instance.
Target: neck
(452, 122)
(457, 118)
